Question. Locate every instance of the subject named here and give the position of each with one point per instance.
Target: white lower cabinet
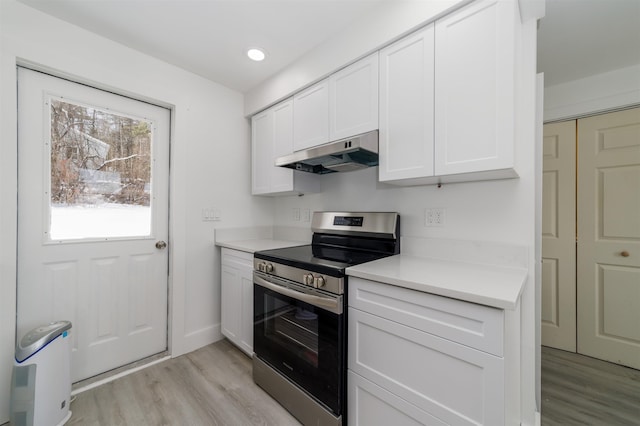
(237, 298)
(418, 358)
(370, 404)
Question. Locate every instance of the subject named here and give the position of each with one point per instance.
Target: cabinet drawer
(236, 258)
(371, 405)
(455, 383)
(477, 326)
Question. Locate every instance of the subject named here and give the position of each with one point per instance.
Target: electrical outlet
(306, 215)
(434, 217)
(296, 214)
(438, 217)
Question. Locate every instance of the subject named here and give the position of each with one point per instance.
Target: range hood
(354, 153)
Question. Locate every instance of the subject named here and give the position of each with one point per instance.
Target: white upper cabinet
(311, 116)
(447, 98)
(474, 100)
(272, 137)
(261, 151)
(406, 107)
(344, 105)
(353, 99)
(282, 178)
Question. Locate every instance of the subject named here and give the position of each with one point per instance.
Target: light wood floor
(213, 386)
(210, 386)
(579, 390)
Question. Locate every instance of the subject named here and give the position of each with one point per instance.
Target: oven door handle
(328, 303)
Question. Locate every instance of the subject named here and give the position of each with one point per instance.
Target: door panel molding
(558, 313)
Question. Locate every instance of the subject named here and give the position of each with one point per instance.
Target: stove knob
(319, 282)
(307, 279)
(261, 266)
(268, 268)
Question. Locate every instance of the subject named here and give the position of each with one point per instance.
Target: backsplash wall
(483, 211)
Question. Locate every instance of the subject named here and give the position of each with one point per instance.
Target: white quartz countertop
(254, 245)
(496, 286)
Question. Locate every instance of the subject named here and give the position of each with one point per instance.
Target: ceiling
(577, 38)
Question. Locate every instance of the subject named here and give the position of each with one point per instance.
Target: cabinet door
(406, 107)
(452, 382)
(246, 320)
(282, 178)
(353, 99)
(474, 110)
(230, 300)
(477, 326)
(371, 405)
(261, 151)
(311, 116)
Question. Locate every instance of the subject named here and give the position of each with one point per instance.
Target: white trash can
(41, 380)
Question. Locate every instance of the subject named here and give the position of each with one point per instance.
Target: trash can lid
(38, 338)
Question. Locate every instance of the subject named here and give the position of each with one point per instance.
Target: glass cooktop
(322, 259)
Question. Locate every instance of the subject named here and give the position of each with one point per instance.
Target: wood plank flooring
(210, 386)
(579, 390)
(213, 386)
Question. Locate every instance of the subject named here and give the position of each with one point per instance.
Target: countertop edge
(508, 298)
(253, 245)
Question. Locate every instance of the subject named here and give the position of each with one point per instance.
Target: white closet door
(609, 237)
(558, 236)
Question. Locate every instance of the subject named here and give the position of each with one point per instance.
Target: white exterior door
(609, 237)
(559, 236)
(93, 218)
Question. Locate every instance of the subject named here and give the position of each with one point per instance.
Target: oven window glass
(297, 329)
(302, 342)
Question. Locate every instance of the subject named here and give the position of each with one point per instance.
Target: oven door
(300, 333)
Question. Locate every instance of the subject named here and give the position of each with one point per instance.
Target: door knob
(624, 253)
(161, 245)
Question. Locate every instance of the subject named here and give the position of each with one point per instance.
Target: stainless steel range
(300, 336)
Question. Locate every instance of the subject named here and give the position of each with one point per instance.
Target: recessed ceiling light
(256, 54)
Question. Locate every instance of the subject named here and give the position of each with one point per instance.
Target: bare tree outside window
(100, 173)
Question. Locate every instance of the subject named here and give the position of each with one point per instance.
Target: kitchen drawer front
(480, 327)
(236, 258)
(455, 383)
(371, 405)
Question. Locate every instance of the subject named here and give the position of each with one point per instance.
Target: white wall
(595, 94)
(497, 211)
(380, 27)
(209, 164)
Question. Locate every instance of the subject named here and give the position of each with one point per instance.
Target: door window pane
(100, 173)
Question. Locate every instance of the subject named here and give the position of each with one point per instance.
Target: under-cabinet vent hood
(354, 153)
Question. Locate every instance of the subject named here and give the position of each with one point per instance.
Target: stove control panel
(301, 276)
(315, 281)
(265, 267)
